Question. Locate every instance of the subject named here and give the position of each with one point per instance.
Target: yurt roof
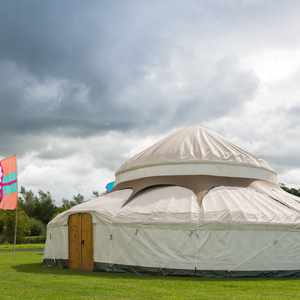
(195, 151)
(261, 203)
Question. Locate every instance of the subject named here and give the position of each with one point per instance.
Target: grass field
(21, 246)
(23, 277)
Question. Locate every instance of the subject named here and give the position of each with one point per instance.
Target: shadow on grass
(39, 268)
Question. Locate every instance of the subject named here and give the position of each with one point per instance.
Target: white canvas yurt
(193, 203)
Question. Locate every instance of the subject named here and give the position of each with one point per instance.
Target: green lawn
(21, 246)
(23, 277)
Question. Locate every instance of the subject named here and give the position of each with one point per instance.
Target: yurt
(194, 204)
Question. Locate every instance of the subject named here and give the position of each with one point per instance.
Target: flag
(8, 183)
(110, 186)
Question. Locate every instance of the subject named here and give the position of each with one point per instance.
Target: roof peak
(194, 150)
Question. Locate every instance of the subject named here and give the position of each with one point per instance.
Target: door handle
(82, 242)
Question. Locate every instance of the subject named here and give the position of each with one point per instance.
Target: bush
(34, 239)
(36, 227)
(7, 225)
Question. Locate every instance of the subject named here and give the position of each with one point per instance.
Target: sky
(86, 84)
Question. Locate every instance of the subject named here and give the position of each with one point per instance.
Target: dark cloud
(79, 69)
(73, 73)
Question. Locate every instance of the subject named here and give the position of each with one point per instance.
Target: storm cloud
(91, 81)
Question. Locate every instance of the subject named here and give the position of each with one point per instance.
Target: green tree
(36, 227)
(45, 208)
(67, 204)
(40, 207)
(96, 194)
(78, 199)
(293, 191)
(8, 219)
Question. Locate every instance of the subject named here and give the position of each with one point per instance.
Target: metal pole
(16, 226)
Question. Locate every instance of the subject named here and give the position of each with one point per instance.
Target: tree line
(293, 191)
(34, 211)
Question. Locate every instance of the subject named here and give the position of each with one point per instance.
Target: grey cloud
(74, 72)
(226, 90)
(106, 151)
(97, 53)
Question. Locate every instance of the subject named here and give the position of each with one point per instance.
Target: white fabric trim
(204, 168)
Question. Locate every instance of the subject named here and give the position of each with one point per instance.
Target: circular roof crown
(195, 151)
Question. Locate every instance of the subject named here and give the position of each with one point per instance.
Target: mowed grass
(21, 246)
(22, 276)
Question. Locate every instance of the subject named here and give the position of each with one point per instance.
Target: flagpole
(16, 216)
(16, 226)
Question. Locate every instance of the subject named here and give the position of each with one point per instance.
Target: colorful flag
(8, 183)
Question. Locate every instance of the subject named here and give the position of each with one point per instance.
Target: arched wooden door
(81, 242)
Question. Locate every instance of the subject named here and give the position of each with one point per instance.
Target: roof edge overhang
(224, 169)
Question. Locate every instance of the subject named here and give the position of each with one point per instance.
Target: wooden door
(75, 241)
(81, 242)
(87, 262)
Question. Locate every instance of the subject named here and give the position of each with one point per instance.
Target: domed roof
(195, 151)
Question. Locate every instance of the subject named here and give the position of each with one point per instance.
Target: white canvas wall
(231, 250)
